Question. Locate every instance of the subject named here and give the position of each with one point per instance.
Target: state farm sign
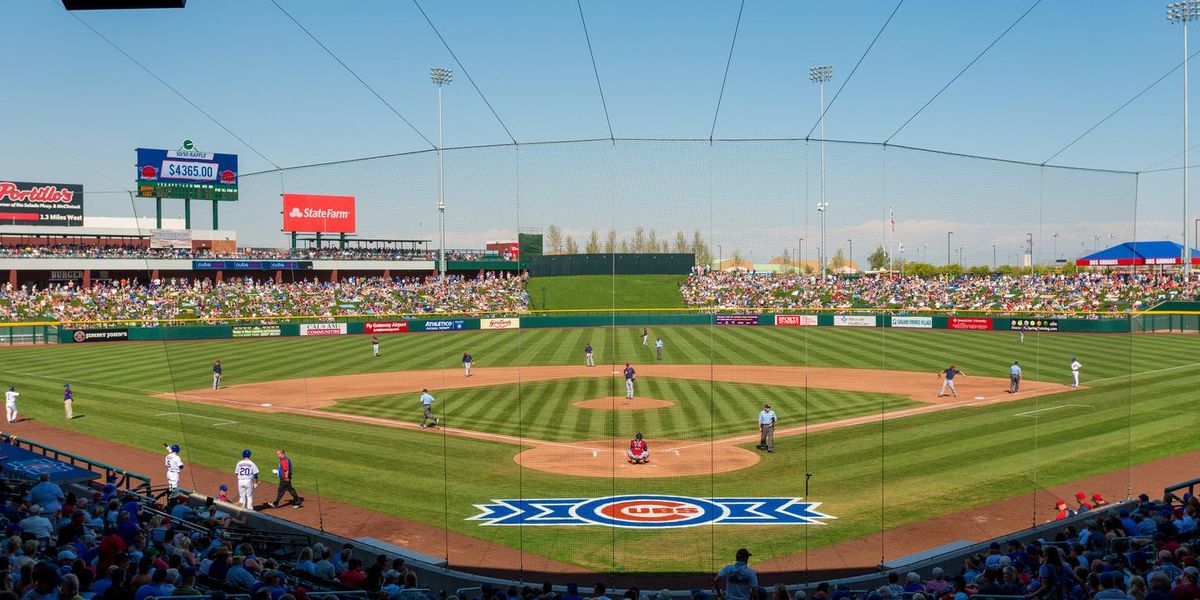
(318, 214)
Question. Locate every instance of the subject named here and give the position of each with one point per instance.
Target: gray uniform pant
(628, 388)
(767, 437)
(1014, 383)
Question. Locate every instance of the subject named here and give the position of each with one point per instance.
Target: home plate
(265, 404)
(980, 398)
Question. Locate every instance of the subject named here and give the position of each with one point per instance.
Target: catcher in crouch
(638, 451)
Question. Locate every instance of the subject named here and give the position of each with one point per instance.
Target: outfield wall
(67, 334)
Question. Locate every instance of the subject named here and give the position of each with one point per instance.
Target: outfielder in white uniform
(1075, 367)
(10, 404)
(247, 479)
(174, 466)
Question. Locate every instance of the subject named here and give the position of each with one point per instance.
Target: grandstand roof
(1131, 254)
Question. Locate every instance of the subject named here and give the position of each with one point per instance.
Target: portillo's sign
(41, 204)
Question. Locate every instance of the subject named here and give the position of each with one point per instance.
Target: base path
(600, 459)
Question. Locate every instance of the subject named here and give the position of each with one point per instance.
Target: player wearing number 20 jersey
(247, 479)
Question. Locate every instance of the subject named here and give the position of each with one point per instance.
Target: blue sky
(1064, 67)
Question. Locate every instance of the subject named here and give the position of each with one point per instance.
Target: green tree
(681, 243)
(610, 244)
(639, 240)
(593, 243)
(554, 240)
(572, 248)
(700, 249)
(878, 259)
(839, 262)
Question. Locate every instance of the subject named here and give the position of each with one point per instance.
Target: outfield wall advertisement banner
(1034, 325)
(447, 325)
(737, 319)
(913, 322)
(257, 331)
(323, 329)
(318, 214)
(855, 320)
(500, 323)
(186, 174)
(100, 335)
(971, 323)
(252, 265)
(795, 320)
(386, 327)
(41, 204)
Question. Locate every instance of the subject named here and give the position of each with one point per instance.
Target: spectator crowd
(1050, 294)
(326, 253)
(248, 299)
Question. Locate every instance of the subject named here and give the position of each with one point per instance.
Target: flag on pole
(892, 217)
(901, 247)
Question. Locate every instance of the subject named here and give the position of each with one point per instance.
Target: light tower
(819, 75)
(1183, 12)
(441, 77)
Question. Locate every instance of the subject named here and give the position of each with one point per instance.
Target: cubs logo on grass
(651, 511)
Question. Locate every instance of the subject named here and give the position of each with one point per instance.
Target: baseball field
(857, 411)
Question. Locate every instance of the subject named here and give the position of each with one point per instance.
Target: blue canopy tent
(1135, 254)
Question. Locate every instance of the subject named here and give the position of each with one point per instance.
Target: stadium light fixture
(1184, 12)
(819, 75)
(948, 260)
(441, 77)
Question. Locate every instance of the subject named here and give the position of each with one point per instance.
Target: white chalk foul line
(222, 423)
(1033, 412)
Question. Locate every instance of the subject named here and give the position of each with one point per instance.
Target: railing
(29, 334)
(1169, 492)
(126, 478)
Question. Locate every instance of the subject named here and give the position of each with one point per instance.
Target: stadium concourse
(111, 543)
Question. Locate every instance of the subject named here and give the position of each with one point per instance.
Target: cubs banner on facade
(913, 322)
(318, 214)
(795, 320)
(41, 204)
(500, 323)
(854, 320)
(651, 512)
(323, 329)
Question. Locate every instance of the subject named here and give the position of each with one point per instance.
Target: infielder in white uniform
(1075, 367)
(247, 479)
(174, 466)
(10, 403)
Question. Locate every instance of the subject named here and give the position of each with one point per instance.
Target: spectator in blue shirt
(46, 495)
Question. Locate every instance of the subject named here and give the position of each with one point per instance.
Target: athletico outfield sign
(651, 512)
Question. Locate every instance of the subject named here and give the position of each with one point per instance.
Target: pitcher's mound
(623, 403)
(668, 458)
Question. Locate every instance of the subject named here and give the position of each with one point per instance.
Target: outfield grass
(543, 409)
(879, 474)
(590, 291)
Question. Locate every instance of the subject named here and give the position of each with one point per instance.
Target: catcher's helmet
(245, 454)
(638, 436)
(174, 447)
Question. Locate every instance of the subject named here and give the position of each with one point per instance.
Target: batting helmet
(174, 447)
(245, 454)
(69, 385)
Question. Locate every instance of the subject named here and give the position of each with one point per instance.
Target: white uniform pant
(643, 457)
(1075, 378)
(216, 380)
(246, 493)
(629, 388)
(467, 369)
(10, 409)
(375, 349)
(588, 356)
(172, 480)
(948, 383)
(69, 409)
